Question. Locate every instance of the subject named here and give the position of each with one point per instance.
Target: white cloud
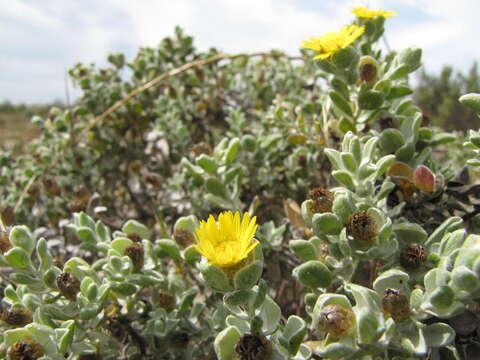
(43, 38)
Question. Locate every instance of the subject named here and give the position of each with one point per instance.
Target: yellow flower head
(365, 13)
(330, 43)
(229, 240)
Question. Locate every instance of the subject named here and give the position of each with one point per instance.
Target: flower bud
(172, 93)
(17, 316)
(136, 253)
(253, 347)
(82, 198)
(183, 237)
(396, 305)
(166, 300)
(23, 350)
(153, 179)
(337, 320)
(179, 340)
(202, 148)
(135, 166)
(413, 257)
(34, 192)
(134, 237)
(362, 227)
(368, 69)
(322, 200)
(68, 285)
(90, 356)
(7, 213)
(51, 187)
(5, 243)
(386, 123)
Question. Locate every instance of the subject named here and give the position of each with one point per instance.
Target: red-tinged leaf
(424, 179)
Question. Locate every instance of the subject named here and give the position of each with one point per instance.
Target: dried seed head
(179, 340)
(336, 320)
(136, 254)
(51, 187)
(166, 300)
(183, 237)
(362, 227)
(26, 350)
(5, 243)
(413, 257)
(396, 305)
(202, 148)
(8, 215)
(17, 316)
(253, 347)
(68, 285)
(322, 200)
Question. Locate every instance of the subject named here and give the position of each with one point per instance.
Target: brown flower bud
(336, 320)
(153, 179)
(8, 215)
(179, 340)
(253, 347)
(26, 350)
(5, 243)
(368, 72)
(362, 227)
(172, 93)
(396, 305)
(368, 69)
(135, 166)
(134, 237)
(166, 300)
(302, 160)
(17, 316)
(136, 254)
(34, 191)
(68, 285)
(386, 123)
(91, 356)
(51, 187)
(199, 73)
(82, 198)
(202, 148)
(413, 257)
(183, 237)
(322, 200)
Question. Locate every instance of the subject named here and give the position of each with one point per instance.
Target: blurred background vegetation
(436, 94)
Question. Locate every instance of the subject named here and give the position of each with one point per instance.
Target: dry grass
(16, 130)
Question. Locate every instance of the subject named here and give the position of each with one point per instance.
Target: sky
(40, 40)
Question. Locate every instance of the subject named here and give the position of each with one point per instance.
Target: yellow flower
(228, 241)
(330, 43)
(365, 13)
